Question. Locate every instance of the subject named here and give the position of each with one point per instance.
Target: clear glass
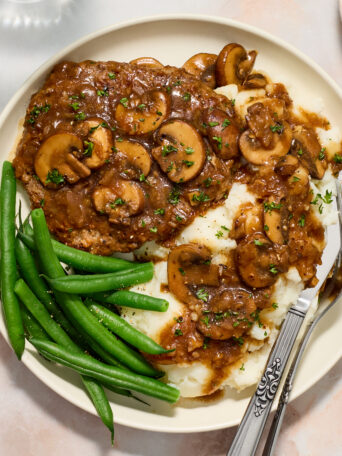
(27, 13)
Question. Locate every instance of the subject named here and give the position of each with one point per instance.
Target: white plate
(172, 40)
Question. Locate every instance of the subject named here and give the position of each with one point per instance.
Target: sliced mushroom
(260, 262)
(229, 314)
(99, 142)
(234, 65)
(56, 153)
(306, 147)
(188, 267)
(147, 62)
(120, 201)
(276, 220)
(287, 165)
(182, 152)
(137, 156)
(140, 115)
(298, 183)
(202, 65)
(255, 81)
(222, 133)
(248, 221)
(253, 151)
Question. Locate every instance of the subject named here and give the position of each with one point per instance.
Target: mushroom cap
(102, 141)
(56, 153)
(256, 260)
(182, 153)
(253, 151)
(307, 148)
(140, 115)
(235, 306)
(248, 220)
(234, 64)
(136, 154)
(298, 183)
(222, 133)
(277, 222)
(119, 201)
(255, 81)
(187, 267)
(202, 65)
(147, 62)
(287, 165)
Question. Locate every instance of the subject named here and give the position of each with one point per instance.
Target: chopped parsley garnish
(321, 155)
(269, 207)
(266, 228)
(119, 139)
(225, 123)
(295, 179)
(275, 305)
(143, 223)
(117, 202)
(239, 340)
(36, 111)
(174, 196)
(202, 295)
(187, 96)
(301, 220)
(181, 270)
(142, 177)
(169, 168)
(112, 75)
(207, 182)
(188, 163)
(54, 177)
(206, 321)
(42, 202)
(178, 332)
(205, 343)
(88, 151)
(277, 128)
(159, 113)
(273, 269)
(213, 124)
(218, 139)
(142, 106)
(219, 234)
(75, 106)
(232, 102)
(338, 158)
(236, 324)
(166, 150)
(154, 229)
(160, 211)
(300, 152)
(225, 228)
(124, 102)
(179, 319)
(103, 93)
(242, 368)
(258, 242)
(189, 150)
(179, 218)
(200, 198)
(80, 116)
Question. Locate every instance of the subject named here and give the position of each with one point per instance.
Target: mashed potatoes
(193, 378)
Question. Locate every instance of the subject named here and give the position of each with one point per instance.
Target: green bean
(79, 259)
(8, 270)
(31, 275)
(74, 308)
(60, 336)
(124, 392)
(81, 284)
(124, 330)
(32, 327)
(110, 375)
(131, 299)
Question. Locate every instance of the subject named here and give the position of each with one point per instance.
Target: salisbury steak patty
(117, 154)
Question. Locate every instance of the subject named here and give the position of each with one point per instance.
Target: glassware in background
(28, 13)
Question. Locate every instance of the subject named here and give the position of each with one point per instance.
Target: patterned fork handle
(249, 432)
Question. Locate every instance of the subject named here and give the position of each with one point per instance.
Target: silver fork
(287, 388)
(253, 423)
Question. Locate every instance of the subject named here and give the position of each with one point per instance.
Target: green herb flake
(80, 116)
(300, 152)
(232, 102)
(42, 202)
(277, 128)
(295, 179)
(181, 270)
(321, 155)
(219, 234)
(225, 123)
(166, 150)
(188, 163)
(160, 211)
(208, 181)
(124, 102)
(174, 196)
(200, 198)
(103, 93)
(275, 305)
(213, 124)
(189, 150)
(266, 228)
(179, 218)
(206, 321)
(202, 295)
(187, 96)
(142, 177)
(242, 368)
(269, 207)
(258, 242)
(178, 332)
(112, 75)
(54, 177)
(89, 146)
(154, 229)
(218, 139)
(301, 220)
(273, 269)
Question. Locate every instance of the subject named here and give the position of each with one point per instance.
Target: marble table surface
(34, 421)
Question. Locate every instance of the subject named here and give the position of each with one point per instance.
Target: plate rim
(45, 66)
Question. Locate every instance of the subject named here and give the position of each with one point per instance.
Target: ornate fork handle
(249, 432)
